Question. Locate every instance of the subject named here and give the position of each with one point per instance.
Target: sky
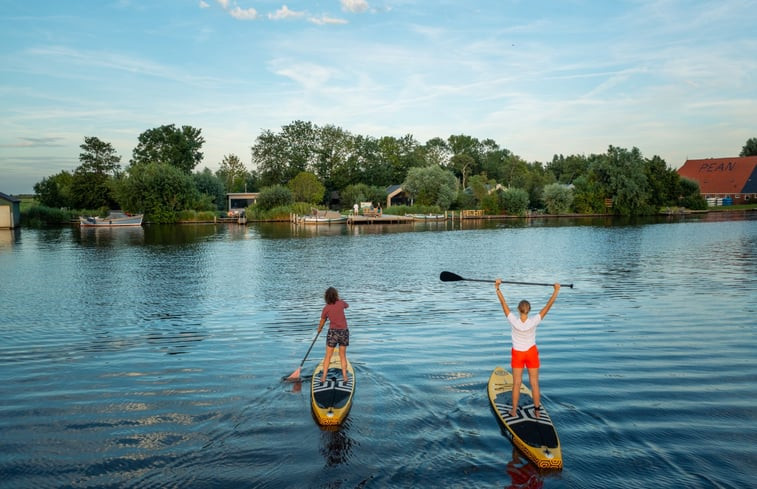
(674, 78)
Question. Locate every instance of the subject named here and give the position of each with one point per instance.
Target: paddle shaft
(516, 283)
(453, 277)
(311, 347)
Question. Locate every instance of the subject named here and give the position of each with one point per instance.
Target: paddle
(296, 374)
(453, 277)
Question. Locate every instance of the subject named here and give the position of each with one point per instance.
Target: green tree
(662, 183)
(361, 192)
(306, 187)
(557, 198)
(567, 169)
(280, 157)
(232, 173)
(55, 190)
(690, 196)
(91, 183)
(514, 201)
(431, 185)
(178, 147)
(750, 148)
(160, 190)
(274, 196)
(211, 186)
(588, 195)
(620, 174)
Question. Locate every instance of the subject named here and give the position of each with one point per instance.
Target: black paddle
(453, 277)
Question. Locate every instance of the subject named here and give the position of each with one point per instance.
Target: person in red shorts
(338, 333)
(524, 352)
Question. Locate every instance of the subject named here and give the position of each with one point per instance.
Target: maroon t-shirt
(335, 314)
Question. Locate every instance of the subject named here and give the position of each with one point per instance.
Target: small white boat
(114, 220)
(324, 217)
(427, 217)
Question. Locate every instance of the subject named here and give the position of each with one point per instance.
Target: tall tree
(232, 173)
(280, 157)
(750, 148)
(178, 147)
(91, 184)
(305, 187)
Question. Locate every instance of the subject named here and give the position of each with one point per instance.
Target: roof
(9, 198)
(723, 175)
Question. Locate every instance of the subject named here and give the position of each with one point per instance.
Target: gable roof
(8, 198)
(723, 175)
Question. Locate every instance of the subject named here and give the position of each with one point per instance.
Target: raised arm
(501, 297)
(550, 302)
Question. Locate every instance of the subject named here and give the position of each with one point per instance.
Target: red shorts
(528, 358)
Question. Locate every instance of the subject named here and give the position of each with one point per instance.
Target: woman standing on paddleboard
(524, 352)
(338, 333)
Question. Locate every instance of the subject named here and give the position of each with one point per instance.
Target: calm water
(154, 357)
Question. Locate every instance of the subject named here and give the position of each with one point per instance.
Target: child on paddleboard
(338, 333)
(524, 352)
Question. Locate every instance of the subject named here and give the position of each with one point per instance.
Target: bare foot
(323, 380)
(513, 412)
(537, 410)
(346, 380)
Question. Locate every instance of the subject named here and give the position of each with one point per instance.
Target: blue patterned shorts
(338, 337)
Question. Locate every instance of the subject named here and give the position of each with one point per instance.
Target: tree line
(327, 165)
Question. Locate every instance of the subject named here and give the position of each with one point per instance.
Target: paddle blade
(295, 375)
(450, 277)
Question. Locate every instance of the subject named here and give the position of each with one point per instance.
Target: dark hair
(331, 295)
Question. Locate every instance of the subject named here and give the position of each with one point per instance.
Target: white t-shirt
(523, 333)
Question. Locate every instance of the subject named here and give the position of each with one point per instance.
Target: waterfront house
(239, 201)
(733, 180)
(10, 212)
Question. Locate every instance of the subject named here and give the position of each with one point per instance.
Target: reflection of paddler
(523, 474)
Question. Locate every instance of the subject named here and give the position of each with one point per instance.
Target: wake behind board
(331, 401)
(535, 436)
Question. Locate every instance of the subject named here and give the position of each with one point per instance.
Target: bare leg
(517, 381)
(343, 360)
(326, 361)
(533, 379)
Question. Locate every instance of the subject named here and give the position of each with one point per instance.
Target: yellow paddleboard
(331, 401)
(533, 435)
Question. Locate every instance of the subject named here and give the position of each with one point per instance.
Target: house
(395, 195)
(239, 201)
(724, 178)
(10, 212)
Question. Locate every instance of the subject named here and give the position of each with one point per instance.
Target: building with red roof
(724, 178)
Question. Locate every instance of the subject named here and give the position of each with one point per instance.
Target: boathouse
(239, 201)
(10, 212)
(731, 180)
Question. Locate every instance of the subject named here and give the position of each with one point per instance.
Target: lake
(154, 357)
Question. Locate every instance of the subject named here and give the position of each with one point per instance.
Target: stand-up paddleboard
(535, 436)
(331, 401)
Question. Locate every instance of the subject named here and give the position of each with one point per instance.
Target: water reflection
(7, 239)
(105, 236)
(523, 474)
(336, 445)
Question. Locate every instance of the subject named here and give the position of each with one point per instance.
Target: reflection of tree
(523, 474)
(336, 446)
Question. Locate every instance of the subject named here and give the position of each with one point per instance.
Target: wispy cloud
(325, 20)
(285, 13)
(204, 4)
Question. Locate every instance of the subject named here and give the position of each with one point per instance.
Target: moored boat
(114, 220)
(427, 217)
(323, 217)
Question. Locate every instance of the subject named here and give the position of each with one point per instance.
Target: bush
(274, 196)
(514, 201)
(40, 215)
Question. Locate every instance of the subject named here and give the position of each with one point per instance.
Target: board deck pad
(534, 435)
(331, 400)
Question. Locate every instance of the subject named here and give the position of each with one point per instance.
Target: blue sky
(674, 78)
